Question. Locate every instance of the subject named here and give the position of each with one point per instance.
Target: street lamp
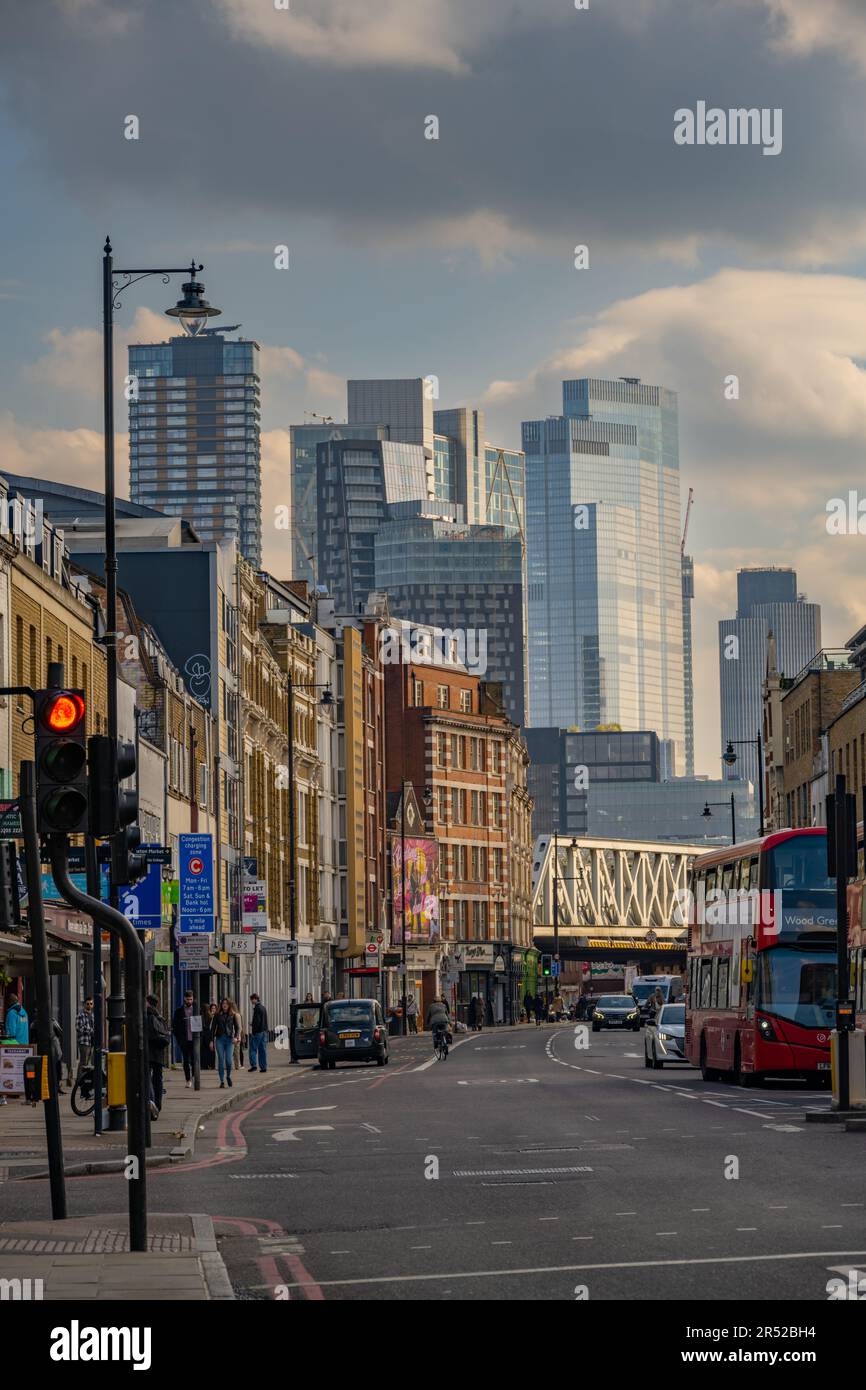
(706, 813)
(556, 879)
(729, 757)
(191, 310)
(326, 700)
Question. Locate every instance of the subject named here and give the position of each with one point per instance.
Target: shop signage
(12, 1067)
(479, 954)
(243, 944)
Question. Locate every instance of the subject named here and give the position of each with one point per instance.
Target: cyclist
(438, 1019)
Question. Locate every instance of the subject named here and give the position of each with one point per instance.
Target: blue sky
(305, 127)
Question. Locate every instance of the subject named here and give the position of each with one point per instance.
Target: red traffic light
(63, 712)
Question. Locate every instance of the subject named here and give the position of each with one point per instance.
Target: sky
(305, 127)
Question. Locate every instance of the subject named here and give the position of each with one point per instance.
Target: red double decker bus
(761, 987)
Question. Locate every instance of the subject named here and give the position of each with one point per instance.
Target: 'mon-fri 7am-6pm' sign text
(196, 895)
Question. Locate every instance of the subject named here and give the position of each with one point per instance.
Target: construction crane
(686, 526)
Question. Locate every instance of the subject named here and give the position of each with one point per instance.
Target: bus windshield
(797, 985)
(799, 863)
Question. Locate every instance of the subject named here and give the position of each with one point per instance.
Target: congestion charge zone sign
(196, 895)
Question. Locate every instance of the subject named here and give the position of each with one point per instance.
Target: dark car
(352, 1030)
(615, 1011)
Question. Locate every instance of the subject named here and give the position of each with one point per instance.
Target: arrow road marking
(295, 1129)
(305, 1110)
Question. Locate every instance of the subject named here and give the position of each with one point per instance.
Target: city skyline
(717, 280)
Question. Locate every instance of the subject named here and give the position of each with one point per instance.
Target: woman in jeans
(225, 1030)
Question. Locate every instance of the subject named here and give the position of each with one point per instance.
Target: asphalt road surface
(523, 1167)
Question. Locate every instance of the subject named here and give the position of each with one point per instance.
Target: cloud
(556, 126)
(804, 27)
(74, 456)
(73, 361)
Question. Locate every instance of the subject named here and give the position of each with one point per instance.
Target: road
(523, 1167)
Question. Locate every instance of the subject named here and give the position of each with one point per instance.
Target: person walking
(540, 1011)
(528, 1005)
(412, 1013)
(207, 1060)
(181, 1027)
(258, 1036)
(558, 1006)
(84, 1026)
(225, 1030)
(158, 1038)
(17, 1023)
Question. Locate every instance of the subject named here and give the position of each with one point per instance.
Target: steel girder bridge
(610, 899)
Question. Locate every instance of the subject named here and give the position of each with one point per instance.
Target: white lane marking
(548, 1218)
(757, 1113)
(420, 1247)
(431, 1061)
(625, 1213)
(777, 1208)
(577, 1269)
(831, 1228)
(667, 1233)
(852, 1204)
(340, 1252)
(512, 1172)
(785, 1129)
(500, 1242)
(747, 1228)
(292, 1134)
(631, 1054)
(307, 1110)
(721, 1105)
(583, 1237)
(372, 1128)
(700, 1208)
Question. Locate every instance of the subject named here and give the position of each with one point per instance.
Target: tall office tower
(440, 572)
(688, 569)
(195, 435)
(304, 440)
(357, 481)
(767, 601)
(605, 599)
(404, 404)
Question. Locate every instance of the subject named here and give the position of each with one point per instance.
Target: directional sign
(241, 944)
(157, 854)
(278, 948)
(196, 906)
(141, 903)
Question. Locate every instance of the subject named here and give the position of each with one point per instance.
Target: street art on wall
(421, 890)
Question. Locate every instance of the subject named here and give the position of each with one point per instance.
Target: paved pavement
(526, 1166)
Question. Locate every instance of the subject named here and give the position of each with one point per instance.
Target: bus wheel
(740, 1077)
(708, 1073)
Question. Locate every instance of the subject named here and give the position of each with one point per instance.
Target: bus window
(800, 862)
(722, 983)
(706, 982)
(753, 873)
(740, 865)
(727, 876)
(711, 879)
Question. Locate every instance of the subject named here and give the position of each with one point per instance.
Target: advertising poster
(421, 904)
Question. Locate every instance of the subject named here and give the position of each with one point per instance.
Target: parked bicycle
(83, 1097)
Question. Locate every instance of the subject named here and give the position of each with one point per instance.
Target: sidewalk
(89, 1258)
(22, 1126)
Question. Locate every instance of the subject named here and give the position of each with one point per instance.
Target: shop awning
(218, 967)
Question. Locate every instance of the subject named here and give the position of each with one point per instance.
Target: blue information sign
(141, 902)
(196, 906)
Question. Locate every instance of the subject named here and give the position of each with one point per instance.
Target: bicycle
(440, 1044)
(83, 1096)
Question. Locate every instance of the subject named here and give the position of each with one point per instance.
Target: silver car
(665, 1037)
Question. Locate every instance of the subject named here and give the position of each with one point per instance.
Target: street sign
(371, 953)
(251, 867)
(240, 945)
(277, 948)
(196, 906)
(141, 903)
(193, 951)
(156, 854)
(555, 969)
(10, 820)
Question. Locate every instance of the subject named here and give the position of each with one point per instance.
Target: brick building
(448, 737)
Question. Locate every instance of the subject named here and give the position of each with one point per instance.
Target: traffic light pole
(93, 886)
(44, 1016)
(136, 1093)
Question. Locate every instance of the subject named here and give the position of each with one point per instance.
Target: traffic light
(547, 965)
(127, 866)
(61, 761)
(102, 783)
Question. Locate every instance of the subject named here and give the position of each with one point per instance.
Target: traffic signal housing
(102, 780)
(10, 902)
(127, 866)
(61, 761)
(546, 965)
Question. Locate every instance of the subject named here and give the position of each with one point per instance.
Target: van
(643, 988)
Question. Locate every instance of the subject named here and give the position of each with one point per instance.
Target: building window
(442, 808)
(441, 750)
(417, 692)
(34, 673)
(466, 701)
(442, 701)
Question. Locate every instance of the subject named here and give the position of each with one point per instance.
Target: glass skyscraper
(767, 601)
(304, 441)
(604, 582)
(195, 435)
